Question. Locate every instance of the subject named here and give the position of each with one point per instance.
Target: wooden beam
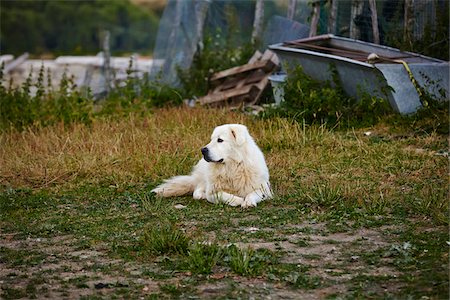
(264, 64)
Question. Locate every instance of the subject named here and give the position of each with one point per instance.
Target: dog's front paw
(234, 201)
(248, 202)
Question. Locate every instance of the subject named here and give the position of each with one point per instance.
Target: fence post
(315, 18)
(373, 11)
(332, 17)
(408, 21)
(201, 9)
(106, 62)
(258, 21)
(291, 9)
(357, 7)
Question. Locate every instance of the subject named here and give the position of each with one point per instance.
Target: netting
(184, 23)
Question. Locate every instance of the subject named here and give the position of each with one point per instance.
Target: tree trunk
(332, 17)
(315, 18)
(291, 9)
(373, 10)
(357, 7)
(258, 22)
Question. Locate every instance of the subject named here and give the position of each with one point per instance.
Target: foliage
(138, 95)
(75, 26)
(35, 105)
(19, 109)
(216, 55)
(202, 257)
(165, 238)
(312, 101)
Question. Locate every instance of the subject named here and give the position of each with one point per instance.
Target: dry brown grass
(146, 150)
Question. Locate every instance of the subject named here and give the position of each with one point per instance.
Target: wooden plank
(256, 56)
(255, 76)
(220, 96)
(242, 84)
(241, 69)
(15, 63)
(230, 83)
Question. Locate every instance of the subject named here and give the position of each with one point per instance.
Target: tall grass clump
(248, 262)
(203, 257)
(165, 238)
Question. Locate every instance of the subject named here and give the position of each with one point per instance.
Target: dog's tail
(176, 186)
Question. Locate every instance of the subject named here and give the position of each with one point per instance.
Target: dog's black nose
(205, 151)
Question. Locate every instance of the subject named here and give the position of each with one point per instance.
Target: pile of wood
(242, 85)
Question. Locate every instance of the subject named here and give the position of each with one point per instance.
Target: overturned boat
(364, 67)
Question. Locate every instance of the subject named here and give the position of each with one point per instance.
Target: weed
(203, 257)
(170, 289)
(303, 281)
(248, 262)
(165, 238)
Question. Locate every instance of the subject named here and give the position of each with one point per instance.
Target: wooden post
(357, 7)
(315, 18)
(291, 9)
(408, 21)
(373, 11)
(258, 22)
(332, 17)
(201, 11)
(106, 62)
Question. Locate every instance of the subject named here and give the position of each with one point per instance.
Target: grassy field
(356, 215)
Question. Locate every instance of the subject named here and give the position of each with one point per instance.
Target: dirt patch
(62, 269)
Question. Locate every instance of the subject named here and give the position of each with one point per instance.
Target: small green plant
(248, 262)
(165, 238)
(203, 257)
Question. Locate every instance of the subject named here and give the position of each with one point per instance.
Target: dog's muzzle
(205, 152)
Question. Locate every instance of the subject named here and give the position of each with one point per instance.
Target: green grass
(76, 210)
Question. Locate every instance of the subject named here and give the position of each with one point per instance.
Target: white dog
(232, 170)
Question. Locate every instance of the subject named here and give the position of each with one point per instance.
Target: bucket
(277, 81)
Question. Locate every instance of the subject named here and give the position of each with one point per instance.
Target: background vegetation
(75, 27)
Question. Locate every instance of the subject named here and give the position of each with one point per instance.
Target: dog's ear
(239, 135)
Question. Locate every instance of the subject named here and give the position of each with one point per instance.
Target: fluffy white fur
(232, 170)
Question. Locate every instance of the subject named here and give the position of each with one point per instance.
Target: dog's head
(227, 143)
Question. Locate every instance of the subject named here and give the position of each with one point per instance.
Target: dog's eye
(219, 140)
